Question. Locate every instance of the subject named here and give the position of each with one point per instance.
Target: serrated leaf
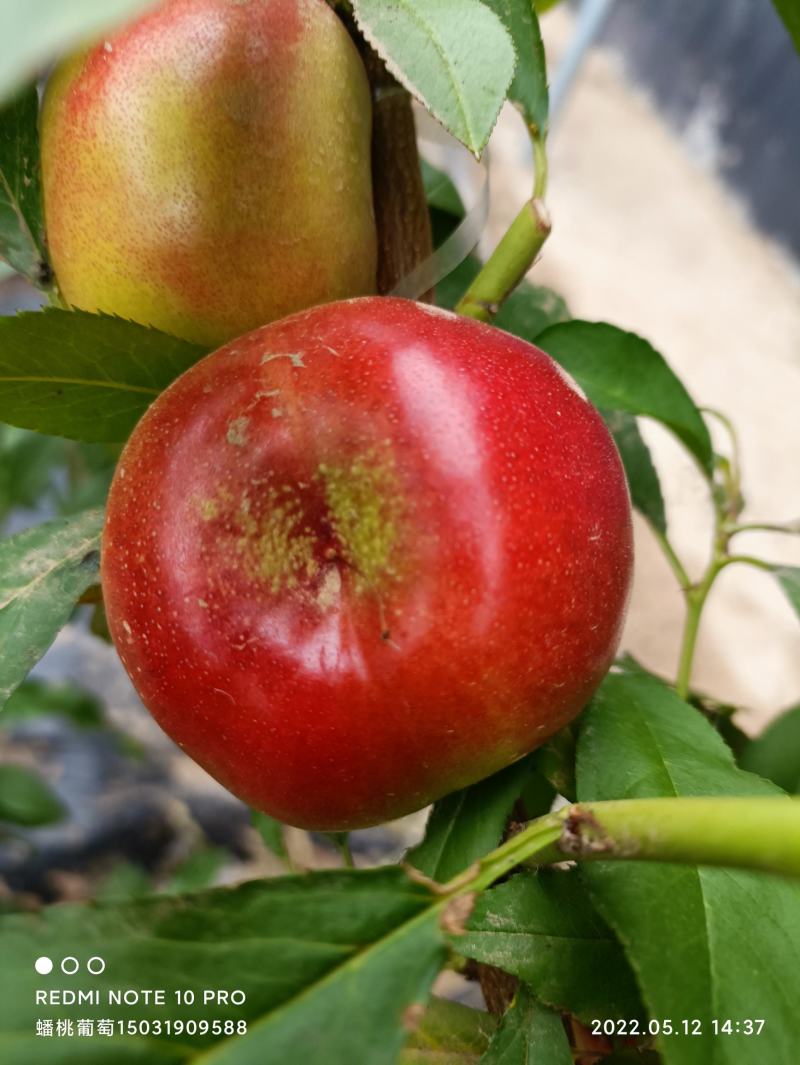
(454, 56)
(84, 376)
(789, 579)
(467, 824)
(544, 929)
(643, 482)
(21, 223)
(621, 371)
(775, 754)
(529, 1034)
(34, 32)
(705, 942)
(329, 963)
(25, 799)
(43, 573)
(789, 11)
(529, 87)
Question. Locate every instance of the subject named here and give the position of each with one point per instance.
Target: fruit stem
(508, 263)
(761, 832)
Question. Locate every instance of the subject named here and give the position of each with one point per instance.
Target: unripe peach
(207, 169)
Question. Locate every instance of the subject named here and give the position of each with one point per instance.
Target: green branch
(675, 564)
(696, 596)
(790, 528)
(517, 251)
(508, 263)
(745, 833)
(748, 560)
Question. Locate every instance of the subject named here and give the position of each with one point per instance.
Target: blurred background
(674, 170)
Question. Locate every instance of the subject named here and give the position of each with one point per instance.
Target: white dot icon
(43, 966)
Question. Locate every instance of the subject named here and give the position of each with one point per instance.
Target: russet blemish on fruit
(270, 531)
(294, 357)
(237, 431)
(365, 507)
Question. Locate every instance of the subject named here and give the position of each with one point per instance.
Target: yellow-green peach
(207, 169)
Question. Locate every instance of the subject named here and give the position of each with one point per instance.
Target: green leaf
(529, 87)
(555, 761)
(528, 311)
(467, 824)
(705, 942)
(620, 371)
(124, 882)
(27, 461)
(440, 192)
(271, 832)
(529, 1034)
(21, 224)
(25, 799)
(454, 56)
(90, 468)
(197, 871)
(341, 841)
(775, 754)
(544, 929)
(449, 1034)
(789, 11)
(43, 573)
(444, 203)
(32, 33)
(537, 794)
(84, 376)
(642, 477)
(35, 697)
(329, 963)
(789, 579)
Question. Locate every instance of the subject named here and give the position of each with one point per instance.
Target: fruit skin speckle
(413, 577)
(207, 169)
